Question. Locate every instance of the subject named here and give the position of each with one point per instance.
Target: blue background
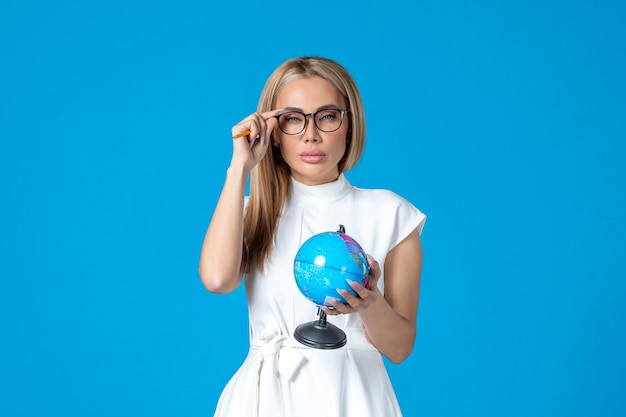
(503, 121)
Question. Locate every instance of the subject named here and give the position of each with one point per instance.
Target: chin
(310, 178)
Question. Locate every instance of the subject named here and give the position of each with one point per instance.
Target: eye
(327, 115)
(292, 117)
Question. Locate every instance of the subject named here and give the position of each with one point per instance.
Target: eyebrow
(324, 107)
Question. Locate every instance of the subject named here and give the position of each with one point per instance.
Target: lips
(312, 156)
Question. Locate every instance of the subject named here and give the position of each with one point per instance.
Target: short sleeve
(407, 218)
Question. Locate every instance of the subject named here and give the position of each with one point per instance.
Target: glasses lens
(292, 122)
(328, 120)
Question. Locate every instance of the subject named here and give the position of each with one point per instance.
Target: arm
(220, 258)
(391, 320)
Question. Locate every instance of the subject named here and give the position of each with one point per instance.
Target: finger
(271, 114)
(258, 129)
(351, 300)
(330, 311)
(270, 121)
(271, 124)
(340, 308)
(374, 266)
(374, 273)
(242, 130)
(255, 125)
(361, 290)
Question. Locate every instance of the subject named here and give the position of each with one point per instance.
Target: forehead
(309, 94)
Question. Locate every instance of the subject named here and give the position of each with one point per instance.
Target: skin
(308, 95)
(389, 320)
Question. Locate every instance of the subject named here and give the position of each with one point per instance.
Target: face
(312, 155)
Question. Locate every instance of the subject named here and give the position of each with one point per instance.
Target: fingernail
(263, 138)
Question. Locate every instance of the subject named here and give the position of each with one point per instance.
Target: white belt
(280, 355)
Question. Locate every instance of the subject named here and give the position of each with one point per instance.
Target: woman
(308, 131)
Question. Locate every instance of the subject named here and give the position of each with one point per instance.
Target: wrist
(238, 172)
(238, 166)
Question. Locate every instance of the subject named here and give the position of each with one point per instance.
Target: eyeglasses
(294, 122)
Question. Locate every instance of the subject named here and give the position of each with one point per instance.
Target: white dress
(281, 377)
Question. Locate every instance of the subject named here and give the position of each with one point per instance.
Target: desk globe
(323, 265)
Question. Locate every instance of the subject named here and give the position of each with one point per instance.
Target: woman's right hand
(249, 149)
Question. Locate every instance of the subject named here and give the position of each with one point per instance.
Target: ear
(275, 140)
(275, 148)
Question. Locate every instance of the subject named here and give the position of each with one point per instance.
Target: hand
(250, 149)
(366, 295)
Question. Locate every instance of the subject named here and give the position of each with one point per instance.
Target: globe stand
(320, 334)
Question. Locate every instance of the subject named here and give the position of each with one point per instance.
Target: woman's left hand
(366, 295)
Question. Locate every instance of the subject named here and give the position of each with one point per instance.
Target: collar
(328, 192)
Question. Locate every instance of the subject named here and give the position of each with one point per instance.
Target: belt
(282, 355)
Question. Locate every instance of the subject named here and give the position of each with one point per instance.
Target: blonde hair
(270, 182)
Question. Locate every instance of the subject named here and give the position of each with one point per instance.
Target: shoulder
(385, 204)
(383, 196)
(382, 199)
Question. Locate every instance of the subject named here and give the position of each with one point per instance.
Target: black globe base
(320, 334)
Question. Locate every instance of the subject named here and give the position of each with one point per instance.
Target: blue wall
(505, 122)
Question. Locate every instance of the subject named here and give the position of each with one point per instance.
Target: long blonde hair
(270, 183)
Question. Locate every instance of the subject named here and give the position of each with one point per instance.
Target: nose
(310, 130)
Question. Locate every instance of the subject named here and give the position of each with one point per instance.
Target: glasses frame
(306, 120)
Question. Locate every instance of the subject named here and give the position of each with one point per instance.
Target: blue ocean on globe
(325, 262)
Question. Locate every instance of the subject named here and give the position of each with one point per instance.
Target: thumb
(269, 128)
(270, 123)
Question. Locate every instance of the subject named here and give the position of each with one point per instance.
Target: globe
(325, 262)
